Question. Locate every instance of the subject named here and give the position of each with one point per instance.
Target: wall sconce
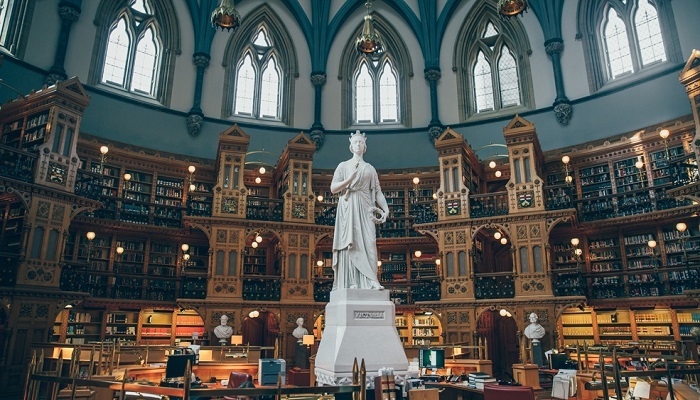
(127, 178)
(90, 236)
(120, 251)
(185, 255)
(652, 245)
(103, 156)
(416, 181)
(639, 164)
(505, 313)
(369, 41)
(308, 340)
(568, 178)
(254, 314)
(225, 16)
(190, 180)
(237, 340)
(664, 133)
(577, 252)
(681, 227)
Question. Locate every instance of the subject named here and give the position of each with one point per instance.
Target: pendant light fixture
(511, 8)
(225, 16)
(369, 41)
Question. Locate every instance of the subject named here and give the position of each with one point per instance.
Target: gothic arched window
(135, 47)
(15, 20)
(623, 38)
(491, 60)
(260, 61)
(375, 86)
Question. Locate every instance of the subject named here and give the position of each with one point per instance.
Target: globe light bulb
(416, 180)
(639, 164)
(498, 174)
(319, 263)
(569, 179)
(186, 257)
(120, 250)
(90, 235)
(379, 263)
(664, 133)
(185, 247)
(438, 262)
(255, 245)
(417, 253)
(575, 241)
(127, 177)
(258, 180)
(319, 198)
(191, 168)
(497, 235)
(193, 187)
(492, 164)
(258, 238)
(503, 312)
(578, 252)
(504, 240)
(262, 170)
(508, 314)
(104, 149)
(434, 196)
(565, 159)
(681, 226)
(651, 243)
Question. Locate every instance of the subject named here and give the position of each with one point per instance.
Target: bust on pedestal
(223, 331)
(535, 332)
(301, 351)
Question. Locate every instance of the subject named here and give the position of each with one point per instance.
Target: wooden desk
(455, 391)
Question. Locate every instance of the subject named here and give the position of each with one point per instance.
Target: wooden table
(456, 391)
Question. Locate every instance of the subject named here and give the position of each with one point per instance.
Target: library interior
(167, 221)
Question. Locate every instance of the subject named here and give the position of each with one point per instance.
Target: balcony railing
(264, 288)
(264, 209)
(488, 205)
(17, 164)
(495, 285)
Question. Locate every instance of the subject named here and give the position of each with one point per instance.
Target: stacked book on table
(477, 380)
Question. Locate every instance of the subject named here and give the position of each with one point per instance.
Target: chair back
(501, 392)
(235, 379)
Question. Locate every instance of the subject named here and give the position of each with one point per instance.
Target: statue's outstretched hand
(378, 215)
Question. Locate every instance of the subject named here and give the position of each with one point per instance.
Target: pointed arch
(281, 48)
(649, 33)
(504, 45)
(399, 58)
(166, 31)
(15, 25)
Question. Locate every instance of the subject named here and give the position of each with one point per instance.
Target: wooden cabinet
(156, 327)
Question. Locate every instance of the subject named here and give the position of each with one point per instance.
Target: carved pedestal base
(359, 324)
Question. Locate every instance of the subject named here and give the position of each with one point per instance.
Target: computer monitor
(431, 358)
(558, 361)
(177, 363)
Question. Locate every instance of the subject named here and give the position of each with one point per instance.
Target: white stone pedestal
(359, 324)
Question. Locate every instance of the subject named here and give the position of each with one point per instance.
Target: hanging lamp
(511, 8)
(369, 41)
(225, 16)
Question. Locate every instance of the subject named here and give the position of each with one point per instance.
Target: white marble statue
(223, 331)
(534, 331)
(300, 331)
(354, 241)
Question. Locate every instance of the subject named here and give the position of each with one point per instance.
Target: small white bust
(300, 331)
(223, 331)
(534, 331)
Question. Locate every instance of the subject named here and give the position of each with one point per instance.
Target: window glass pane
(518, 178)
(450, 264)
(140, 5)
(304, 267)
(245, 87)
(617, 45)
(292, 267)
(508, 77)
(524, 260)
(3, 15)
(219, 262)
(52, 245)
(232, 263)
(537, 256)
(526, 166)
(67, 142)
(270, 90)
(145, 64)
(446, 180)
(651, 43)
(37, 242)
(490, 31)
(364, 102)
(236, 177)
(462, 263)
(388, 91)
(455, 179)
(304, 183)
(55, 147)
(116, 55)
(261, 39)
(227, 178)
(483, 86)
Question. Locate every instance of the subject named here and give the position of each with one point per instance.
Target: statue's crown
(358, 134)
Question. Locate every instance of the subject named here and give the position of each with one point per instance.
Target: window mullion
(496, 82)
(257, 91)
(376, 95)
(130, 61)
(632, 38)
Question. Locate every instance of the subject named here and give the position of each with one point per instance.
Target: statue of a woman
(354, 241)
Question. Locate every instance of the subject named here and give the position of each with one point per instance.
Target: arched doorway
(261, 328)
(500, 331)
(492, 251)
